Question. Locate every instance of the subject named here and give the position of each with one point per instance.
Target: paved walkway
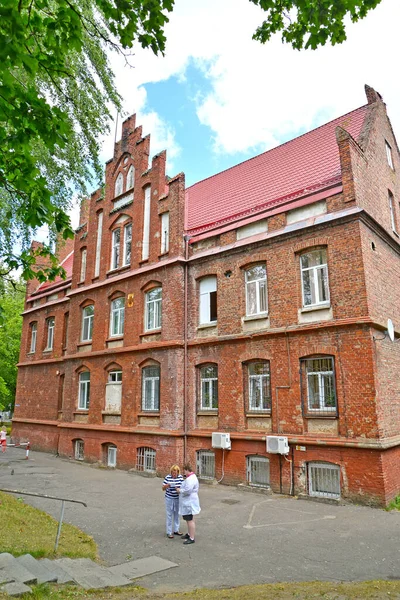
(241, 537)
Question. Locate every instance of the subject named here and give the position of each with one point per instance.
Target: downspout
(185, 350)
(283, 387)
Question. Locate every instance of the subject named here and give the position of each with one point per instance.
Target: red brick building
(253, 303)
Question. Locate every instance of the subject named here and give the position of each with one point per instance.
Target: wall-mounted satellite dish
(390, 330)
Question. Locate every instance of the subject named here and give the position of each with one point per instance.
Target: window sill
(318, 415)
(207, 413)
(315, 307)
(118, 270)
(143, 262)
(257, 317)
(261, 413)
(111, 412)
(81, 411)
(48, 350)
(163, 254)
(84, 343)
(151, 332)
(207, 325)
(115, 338)
(149, 413)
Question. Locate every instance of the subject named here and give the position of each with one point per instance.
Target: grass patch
(25, 529)
(394, 504)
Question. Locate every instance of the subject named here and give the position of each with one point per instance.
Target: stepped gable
(309, 163)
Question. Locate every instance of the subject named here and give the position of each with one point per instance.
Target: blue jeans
(172, 510)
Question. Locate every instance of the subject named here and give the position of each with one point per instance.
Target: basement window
(324, 480)
(257, 471)
(79, 450)
(205, 462)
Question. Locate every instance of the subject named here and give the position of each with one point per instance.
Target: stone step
(15, 588)
(62, 575)
(141, 567)
(89, 575)
(43, 574)
(10, 567)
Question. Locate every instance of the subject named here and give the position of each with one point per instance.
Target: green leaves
(310, 23)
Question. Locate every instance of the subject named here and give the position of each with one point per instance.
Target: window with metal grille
(318, 386)
(259, 390)
(257, 471)
(314, 278)
(151, 388)
(324, 480)
(112, 456)
(256, 290)
(205, 461)
(209, 387)
(79, 450)
(146, 459)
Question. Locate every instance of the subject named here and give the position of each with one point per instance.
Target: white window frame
(318, 273)
(205, 463)
(115, 248)
(87, 323)
(112, 456)
(164, 233)
(79, 450)
(151, 402)
(146, 459)
(115, 376)
(257, 460)
(98, 243)
(50, 332)
(392, 211)
(259, 378)
(209, 400)
(153, 309)
(119, 185)
(324, 475)
(321, 376)
(127, 244)
(389, 154)
(84, 390)
(130, 178)
(33, 337)
(146, 224)
(207, 286)
(260, 285)
(117, 317)
(83, 264)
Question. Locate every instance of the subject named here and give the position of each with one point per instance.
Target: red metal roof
(67, 266)
(307, 163)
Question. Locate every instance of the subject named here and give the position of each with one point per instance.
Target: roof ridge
(275, 147)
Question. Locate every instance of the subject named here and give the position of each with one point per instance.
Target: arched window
(84, 390)
(208, 385)
(151, 388)
(87, 323)
(153, 309)
(130, 179)
(50, 323)
(256, 290)
(258, 386)
(115, 248)
(127, 244)
(318, 389)
(117, 317)
(33, 328)
(119, 185)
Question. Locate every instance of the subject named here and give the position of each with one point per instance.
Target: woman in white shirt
(189, 502)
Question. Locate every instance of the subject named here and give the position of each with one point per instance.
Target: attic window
(389, 155)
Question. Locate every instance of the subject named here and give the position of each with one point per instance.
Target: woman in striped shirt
(170, 484)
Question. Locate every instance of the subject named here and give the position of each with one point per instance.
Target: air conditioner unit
(221, 440)
(277, 444)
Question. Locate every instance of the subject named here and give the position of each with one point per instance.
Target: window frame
(389, 154)
(323, 376)
(115, 248)
(84, 391)
(50, 327)
(153, 403)
(266, 402)
(79, 450)
(164, 249)
(257, 283)
(314, 280)
(144, 456)
(256, 458)
(130, 178)
(392, 210)
(153, 310)
(33, 337)
(117, 317)
(312, 491)
(119, 185)
(127, 242)
(87, 324)
(209, 457)
(207, 301)
(83, 265)
(212, 384)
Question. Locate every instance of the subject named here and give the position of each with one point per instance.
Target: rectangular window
(314, 278)
(84, 390)
(209, 388)
(208, 300)
(117, 317)
(324, 480)
(33, 337)
(87, 323)
(146, 460)
(98, 244)
(319, 386)
(127, 244)
(151, 388)
(256, 290)
(65, 332)
(389, 155)
(259, 387)
(164, 233)
(153, 309)
(50, 333)
(257, 471)
(112, 456)
(79, 450)
(83, 264)
(116, 238)
(392, 211)
(114, 392)
(146, 224)
(205, 464)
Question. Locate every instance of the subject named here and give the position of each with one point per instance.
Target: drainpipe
(283, 387)
(185, 351)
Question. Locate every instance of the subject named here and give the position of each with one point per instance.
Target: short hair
(175, 468)
(187, 467)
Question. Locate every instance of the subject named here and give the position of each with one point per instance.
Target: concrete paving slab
(4, 577)
(89, 575)
(41, 572)
(62, 576)
(15, 588)
(12, 568)
(144, 566)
